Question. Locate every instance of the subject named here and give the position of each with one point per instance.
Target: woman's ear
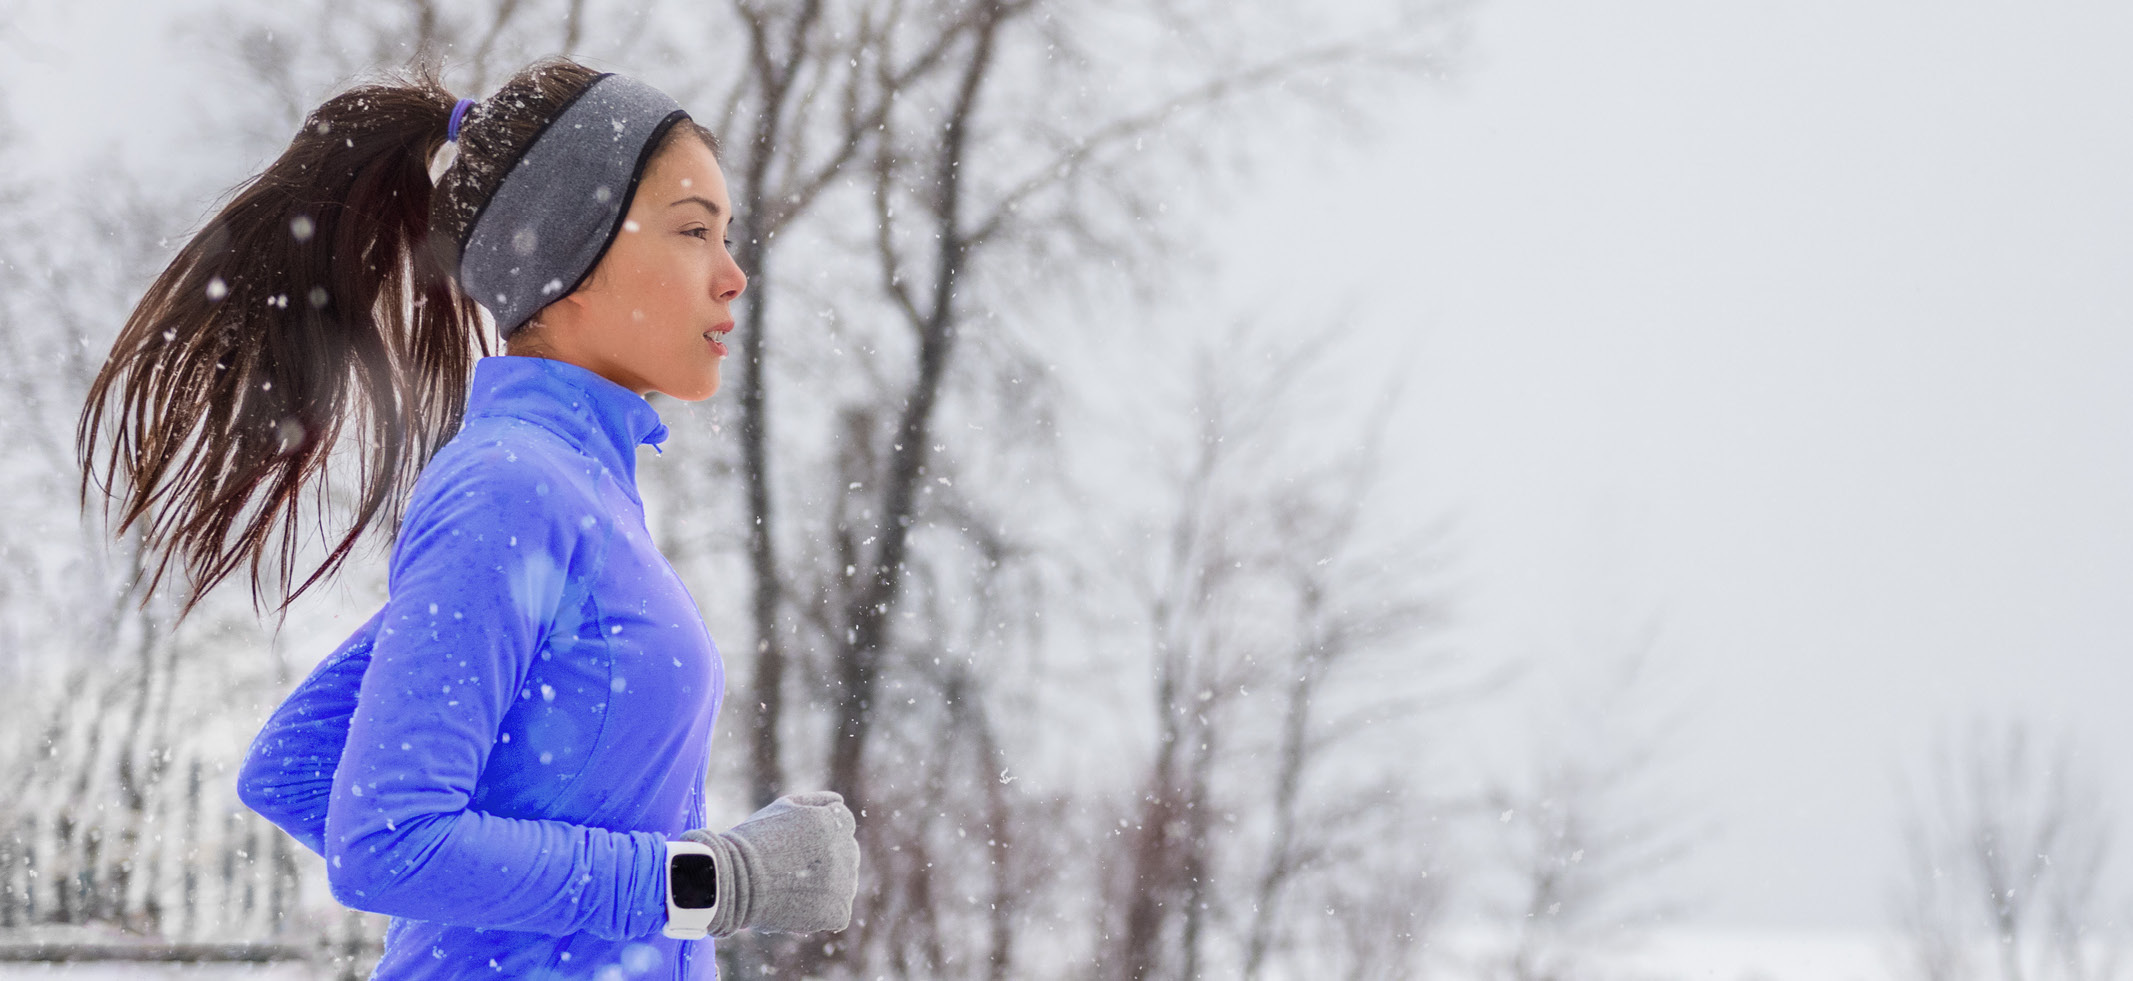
(571, 309)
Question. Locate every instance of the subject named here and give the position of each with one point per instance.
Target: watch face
(691, 881)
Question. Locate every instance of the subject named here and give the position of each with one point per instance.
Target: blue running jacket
(498, 757)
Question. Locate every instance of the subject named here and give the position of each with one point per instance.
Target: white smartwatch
(692, 891)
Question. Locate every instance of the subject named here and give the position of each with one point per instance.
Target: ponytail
(312, 304)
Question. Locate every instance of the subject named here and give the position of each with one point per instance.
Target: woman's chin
(697, 390)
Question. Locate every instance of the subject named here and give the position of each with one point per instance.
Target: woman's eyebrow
(708, 204)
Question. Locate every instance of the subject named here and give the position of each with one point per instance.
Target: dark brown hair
(320, 298)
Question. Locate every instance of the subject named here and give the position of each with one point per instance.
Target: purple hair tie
(459, 112)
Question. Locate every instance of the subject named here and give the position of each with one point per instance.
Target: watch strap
(686, 922)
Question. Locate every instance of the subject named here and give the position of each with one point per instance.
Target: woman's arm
(288, 773)
(485, 560)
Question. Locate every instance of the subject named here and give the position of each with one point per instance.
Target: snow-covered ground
(1683, 953)
(1694, 954)
(1708, 953)
(129, 971)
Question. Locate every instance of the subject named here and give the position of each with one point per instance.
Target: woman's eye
(702, 233)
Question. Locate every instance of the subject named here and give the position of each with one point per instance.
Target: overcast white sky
(1804, 328)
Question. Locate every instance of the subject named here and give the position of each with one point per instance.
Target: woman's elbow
(382, 868)
(256, 790)
(263, 788)
(357, 876)
(295, 804)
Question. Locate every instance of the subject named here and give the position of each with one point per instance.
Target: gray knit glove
(792, 867)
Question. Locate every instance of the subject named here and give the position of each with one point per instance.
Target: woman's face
(654, 314)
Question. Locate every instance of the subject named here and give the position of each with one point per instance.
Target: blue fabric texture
(498, 757)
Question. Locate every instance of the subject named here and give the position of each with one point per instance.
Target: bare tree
(1587, 832)
(982, 156)
(970, 175)
(817, 83)
(2007, 845)
(1275, 592)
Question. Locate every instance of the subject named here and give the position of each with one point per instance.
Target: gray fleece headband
(563, 201)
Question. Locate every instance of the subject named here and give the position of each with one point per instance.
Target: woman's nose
(732, 282)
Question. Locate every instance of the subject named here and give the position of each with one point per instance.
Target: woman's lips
(716, 336)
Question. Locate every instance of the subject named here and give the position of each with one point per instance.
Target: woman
(508, 757)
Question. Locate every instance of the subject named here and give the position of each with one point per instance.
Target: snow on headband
(563, 202)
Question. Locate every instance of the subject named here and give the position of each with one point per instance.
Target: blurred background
(1470, 490)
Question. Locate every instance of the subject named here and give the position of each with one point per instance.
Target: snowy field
(1765, 955)
(120, 971)
(1681, 955)
(1713, 954)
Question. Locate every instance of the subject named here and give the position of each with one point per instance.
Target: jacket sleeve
(288, 773)
(485, 559)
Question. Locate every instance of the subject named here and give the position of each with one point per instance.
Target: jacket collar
(600, 418)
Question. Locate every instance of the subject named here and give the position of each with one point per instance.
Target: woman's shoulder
(503, 460)
(513, 485)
